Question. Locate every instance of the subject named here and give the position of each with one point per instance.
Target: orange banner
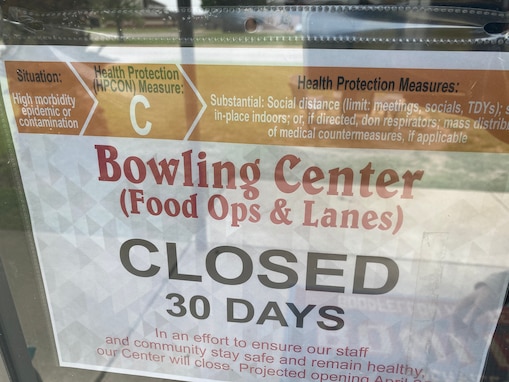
(447, 110)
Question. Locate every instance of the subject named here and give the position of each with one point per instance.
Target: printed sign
(266, 214)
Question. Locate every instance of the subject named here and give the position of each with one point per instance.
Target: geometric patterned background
(450, 240)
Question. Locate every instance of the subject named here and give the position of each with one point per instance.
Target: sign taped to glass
(313, 216)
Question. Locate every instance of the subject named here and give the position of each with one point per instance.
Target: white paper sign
(242, 215)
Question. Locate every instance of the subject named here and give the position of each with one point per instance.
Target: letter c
(132, 112)
(125, 257)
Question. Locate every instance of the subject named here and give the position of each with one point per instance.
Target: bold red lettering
(366, 173)
(409, 182)
(162, 170)
(139, 174)
(106, 156)
(279, 174)
(382, 183)
(312, 175)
